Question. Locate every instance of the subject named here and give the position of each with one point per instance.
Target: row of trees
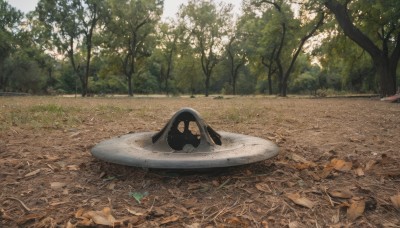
(273, 46)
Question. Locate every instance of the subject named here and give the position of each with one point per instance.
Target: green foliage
(374, 26)
(305, 82)
(130, 30)
(9, 19)
(350, 68)
(116, 46)
(206, 25)
(24, 75)
(246, 83)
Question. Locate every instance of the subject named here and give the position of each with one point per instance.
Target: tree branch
(345, 22)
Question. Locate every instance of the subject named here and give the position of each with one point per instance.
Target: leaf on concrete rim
(302, 201)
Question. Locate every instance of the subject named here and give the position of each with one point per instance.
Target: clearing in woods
(339, 164)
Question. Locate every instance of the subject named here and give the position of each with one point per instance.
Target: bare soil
(338, 166)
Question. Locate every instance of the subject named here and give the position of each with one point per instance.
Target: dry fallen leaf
(98, 218)
(26, 218)
(302, 201)
(340, 193)
(79, 213)
(111, 186)
(325, 172)
(301, 166)
(73, 167)
(158, 211)
(135, 212)
(263, 187)
(396, 201)
(356, 209)
(172, 218)
(189, 203)
(341, 165)
(264, 224)
(294, 224)
(300, 159)
(57, 203)
(102, 217)
(215, 183)
(237, 222)
(359, 171)
(57, 185)
(370, 164)
(69, 225)
(33, 173)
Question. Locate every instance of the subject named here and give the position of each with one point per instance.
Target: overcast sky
(170, 6)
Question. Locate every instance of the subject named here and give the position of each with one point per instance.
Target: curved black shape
(177, 139)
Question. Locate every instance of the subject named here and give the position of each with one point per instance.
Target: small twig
(223, 184)
(270, 210)
(212, 214)
(290, 207)
(110, 202)
(330, 199)
(26, 208)
(152, 205)
(220, 212)
(252, 217)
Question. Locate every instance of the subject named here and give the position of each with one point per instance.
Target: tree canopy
(270, 47)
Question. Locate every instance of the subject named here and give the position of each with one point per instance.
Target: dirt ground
(338, 165)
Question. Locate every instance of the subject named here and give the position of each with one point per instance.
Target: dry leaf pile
(338, 165)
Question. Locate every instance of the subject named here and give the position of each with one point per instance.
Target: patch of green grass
(48, 108)
(243, 113)
(109, 112)
(40, 116)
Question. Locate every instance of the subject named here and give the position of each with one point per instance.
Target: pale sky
(170, 6)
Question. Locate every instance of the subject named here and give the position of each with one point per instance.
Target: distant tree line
(272, 47)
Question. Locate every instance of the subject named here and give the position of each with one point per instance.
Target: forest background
(99, 47)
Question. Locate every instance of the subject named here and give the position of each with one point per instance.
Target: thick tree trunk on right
(387, 76)
(385, 63)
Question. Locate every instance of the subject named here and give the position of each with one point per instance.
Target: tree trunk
(207, 84)
(166, 87)
(283, 87)
(234, 87)
(84, 88)
(385, 64)
(386, 75)
(270, 81)
(87, 70)
(130, 88)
